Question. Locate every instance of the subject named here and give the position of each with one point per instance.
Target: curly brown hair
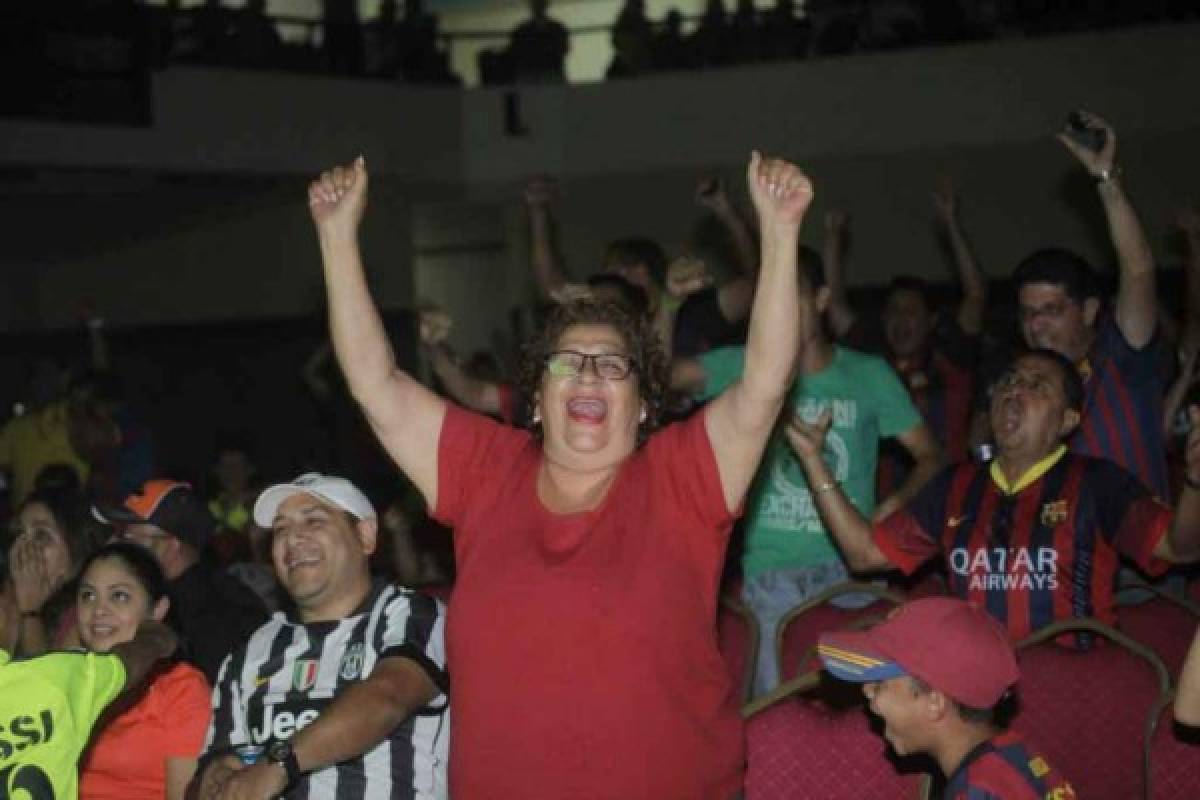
(649, 360)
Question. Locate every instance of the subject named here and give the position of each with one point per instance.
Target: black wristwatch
(280, 752)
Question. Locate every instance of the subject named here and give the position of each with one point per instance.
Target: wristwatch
(280, 752)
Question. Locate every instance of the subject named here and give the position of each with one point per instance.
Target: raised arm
(406, 416)
(1188, 222)
(850, 529)
(1137, 305)
(478, 395)
(547, 268)
(735, 296)
(1187, 696)
(1181, 545)
(833, 253)
(740, 420)
(974, 286)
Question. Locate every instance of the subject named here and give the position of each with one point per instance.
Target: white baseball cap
(337, 491)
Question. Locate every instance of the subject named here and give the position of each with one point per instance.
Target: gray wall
(874, 130)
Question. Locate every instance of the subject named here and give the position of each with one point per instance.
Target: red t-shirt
(127, 759)
(582, 647)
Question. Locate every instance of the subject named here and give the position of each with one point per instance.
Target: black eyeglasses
(571, 364)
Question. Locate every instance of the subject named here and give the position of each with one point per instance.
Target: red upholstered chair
(796, 637)
(1165, 624)
(1089, 711)
(1174, 759)
(798, 747)
(738, 640)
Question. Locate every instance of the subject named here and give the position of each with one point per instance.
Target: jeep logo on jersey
(352, 662)
(304, 675)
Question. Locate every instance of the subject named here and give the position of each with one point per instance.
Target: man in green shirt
(789, 557)
(49, 704)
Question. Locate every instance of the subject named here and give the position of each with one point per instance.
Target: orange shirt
(128, 755)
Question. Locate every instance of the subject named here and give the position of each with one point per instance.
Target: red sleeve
(1130, 514)
(1143, 526)
(185, 700)
(471, 449)
(904, 541)
(681, 458)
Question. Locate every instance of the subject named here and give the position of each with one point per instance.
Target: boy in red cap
(935, 672)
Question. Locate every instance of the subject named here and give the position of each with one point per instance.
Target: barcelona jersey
(1004, 768)
(1123, 406)
(1045, 552)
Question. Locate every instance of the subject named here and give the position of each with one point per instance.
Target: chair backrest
(796, 637)
(1165, 623)
(1174, 758)
(1089, 710)
(738, 640)
(798, 747)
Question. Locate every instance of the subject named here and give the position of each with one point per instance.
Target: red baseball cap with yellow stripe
(954, 647)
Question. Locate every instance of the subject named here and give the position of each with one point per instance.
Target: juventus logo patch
(352, 662)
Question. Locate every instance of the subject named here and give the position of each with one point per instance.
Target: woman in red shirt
(581, 635)
(147, 742)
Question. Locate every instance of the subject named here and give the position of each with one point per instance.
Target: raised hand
(1096, 163)
(540, 192)
(338, 198)
(434, 326)
(808, 439)
(710, 193)
(570, 292)
(780, 191)
(945, 200)
(31, 580)
(687, 275)
(836, 222)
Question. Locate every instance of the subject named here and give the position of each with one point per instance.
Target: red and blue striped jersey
(1004, 768)
(1123, 406)
(1048, 552)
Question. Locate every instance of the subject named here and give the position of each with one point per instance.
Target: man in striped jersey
(343, 697)
(1037, 534)
(1119, 353)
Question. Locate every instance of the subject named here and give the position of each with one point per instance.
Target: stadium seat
(1174, 759)
(799, 747)
(796, 638)
(1165, 624)
(738, 640)
(1089, 710)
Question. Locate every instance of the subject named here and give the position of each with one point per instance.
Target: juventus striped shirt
(289, 672)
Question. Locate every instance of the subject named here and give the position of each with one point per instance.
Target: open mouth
(587, 410)
(102, 631)
(301, 561)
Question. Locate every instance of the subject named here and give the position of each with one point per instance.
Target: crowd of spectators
(406, 43)
(677, 427)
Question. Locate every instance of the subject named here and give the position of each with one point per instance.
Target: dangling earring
(536, 419)
(642, 416)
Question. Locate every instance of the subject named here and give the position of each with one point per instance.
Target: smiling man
(1034, 536)
(344, 695)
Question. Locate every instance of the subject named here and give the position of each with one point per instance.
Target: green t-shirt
(869, 403)
(48, 706)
